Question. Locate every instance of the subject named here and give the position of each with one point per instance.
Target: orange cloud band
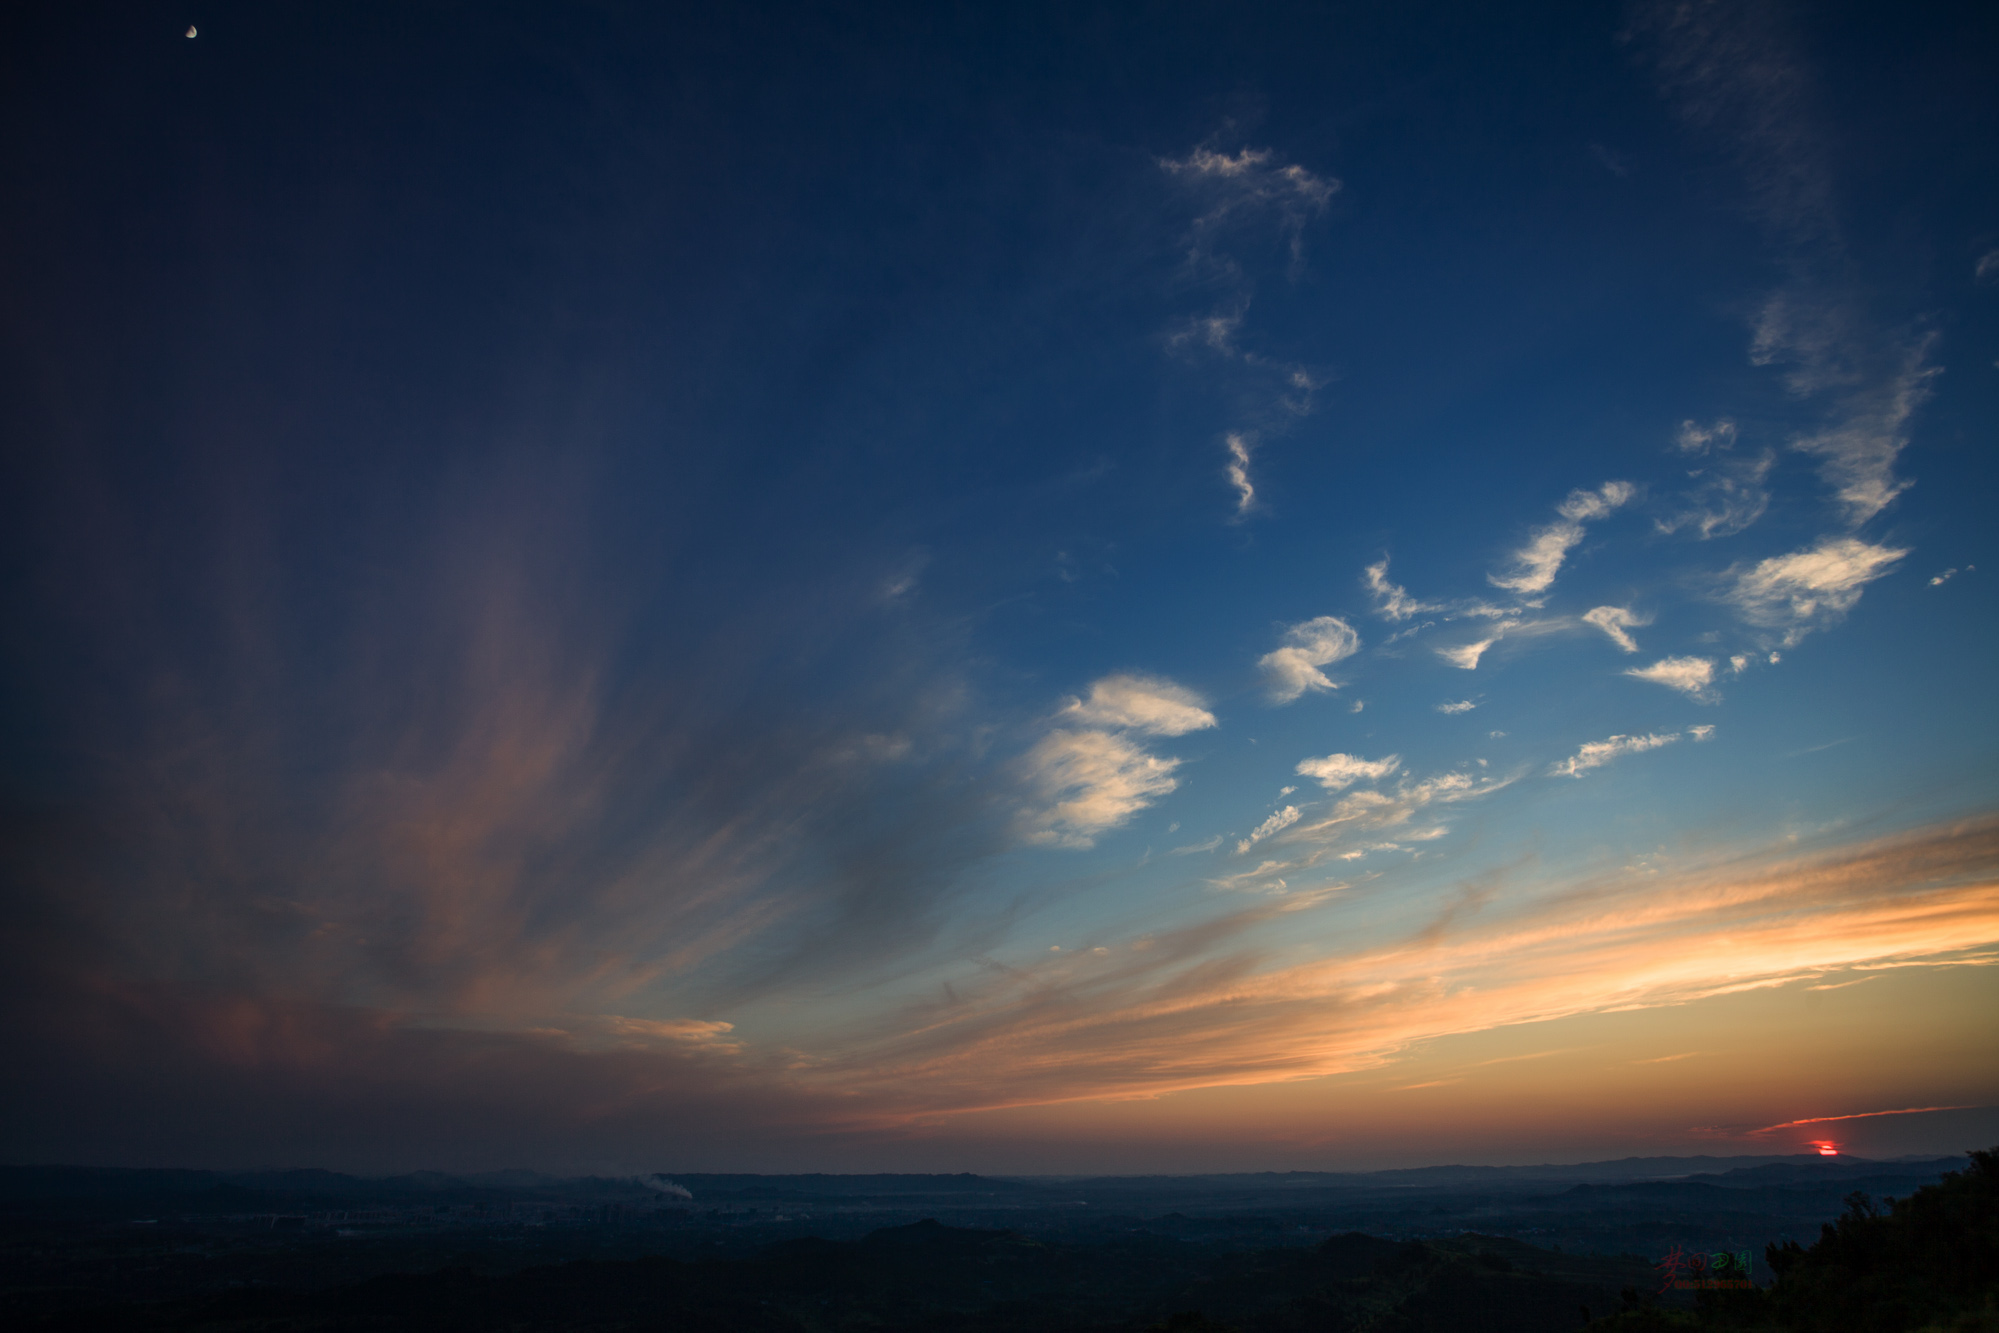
(1204, 1009)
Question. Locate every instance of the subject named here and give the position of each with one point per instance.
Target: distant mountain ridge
(1793, 1166)
(242, 1190)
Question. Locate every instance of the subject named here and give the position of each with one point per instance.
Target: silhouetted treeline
(1927, 1263)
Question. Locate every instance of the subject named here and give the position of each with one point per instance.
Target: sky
(1031, 588)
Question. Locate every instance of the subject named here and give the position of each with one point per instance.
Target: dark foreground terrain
(1443, 1249)
(1928, 1263)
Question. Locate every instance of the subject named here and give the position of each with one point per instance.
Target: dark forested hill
(1929, 1262)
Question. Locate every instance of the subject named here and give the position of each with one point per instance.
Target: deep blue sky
(788, 585)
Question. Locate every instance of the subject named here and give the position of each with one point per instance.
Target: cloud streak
(1202, 1008)
(1535, 565)
(1277, 822)
(1595, 754)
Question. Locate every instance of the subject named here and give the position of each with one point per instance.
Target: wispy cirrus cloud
(1535, 565)
(1241, 194)
(1730, 490)
(1207, 1004)
(1250, 182)
(1392, 601)
(1694, 438)
(1810, 589)
(1293, 669)
(1336, 772)
(1691, 676)
(1206, 1007)
(1084, 783)
(1278, 821)
(1735, 71)
(1465, 656)
(1877, 385)
(1595, 754)
(1367, 812)
(1150, 704)
(1616, 622)
(1238, 471)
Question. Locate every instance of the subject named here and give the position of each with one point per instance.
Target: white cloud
(1987, 267)
(1087, 782)
(1810, 589)
(1149, 704)
(1088, 775)
(1336, 771)
(1294, 668)
(1695, 438)
(1691, 676)
(1703, 732)
(1939, 580)
(1615, 621)
(1536, 564)
(1238, 472)
(1466, 655)
(1283, 819)
(1598, 753)
(1192, 848)
(1583, 506)
(1393, 602)
(1461, 706)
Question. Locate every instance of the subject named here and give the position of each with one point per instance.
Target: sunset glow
(1036, 589)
